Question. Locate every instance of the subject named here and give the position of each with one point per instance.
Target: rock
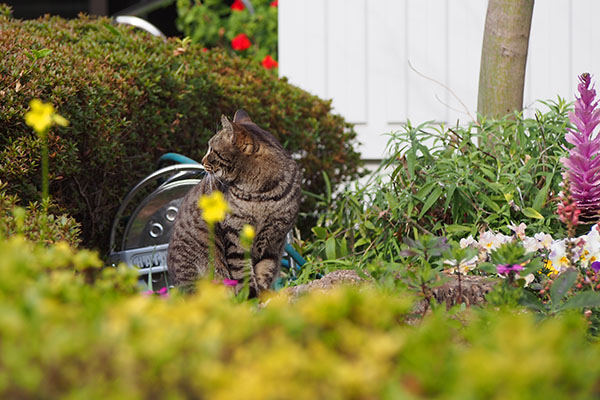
(473, 288)
(342, 276)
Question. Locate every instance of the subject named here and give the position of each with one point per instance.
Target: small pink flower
(230, 282)
(163, 292)
(504, 269)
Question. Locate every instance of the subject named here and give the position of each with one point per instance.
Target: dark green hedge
(131, 97)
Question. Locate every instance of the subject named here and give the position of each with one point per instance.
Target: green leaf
(327, 186)
(361, 242)
(424, 191)
(391, 199)
(587, 299)
(530, 300)
(540, 197)
(369, 225)
(489, 202)
(449, 196)
(410, 162)
(534, 265)
(111, 29)
(41, 53)
(433, 197)
(488, 267)
(320, 232)
(532, 213)
(330, 248)
(561, 285)
(343, 247)
(456, 228)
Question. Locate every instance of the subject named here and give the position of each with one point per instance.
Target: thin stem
(212, 266)
(45, 166)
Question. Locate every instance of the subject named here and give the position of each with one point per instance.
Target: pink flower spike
(582, 166)
(230, 282)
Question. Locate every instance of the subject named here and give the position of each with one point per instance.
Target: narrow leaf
(532, 213)
(562, 284)
(112, 29)
(540, 197)
(456, 228)
(330, 248)
(489, 202)
(433, 197)
(583, 300)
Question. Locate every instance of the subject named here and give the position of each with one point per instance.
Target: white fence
(377, 58)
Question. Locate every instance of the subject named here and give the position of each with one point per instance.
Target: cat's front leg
(266, 255)
(264, 273)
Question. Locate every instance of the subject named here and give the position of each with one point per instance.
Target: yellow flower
(42, 116)
(214, 207)
(247, 235)
(248, 232)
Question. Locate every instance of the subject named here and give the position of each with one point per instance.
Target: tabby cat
(261, 183)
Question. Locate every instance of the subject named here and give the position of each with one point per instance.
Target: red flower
(269, 63)
(238, 5)
(240, 42)
(274, 3)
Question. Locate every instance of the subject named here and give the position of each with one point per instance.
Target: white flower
(528, 279)
(463, 267)
(531, 245)
(464, 243)
(590, 251)
(545, 240)
(558, 259)
(518, 230)
(488, 241)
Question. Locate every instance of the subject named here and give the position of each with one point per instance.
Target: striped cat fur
(261, 183)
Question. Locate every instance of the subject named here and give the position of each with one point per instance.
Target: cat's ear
(241, 116)
(227, 126)
(244, 141)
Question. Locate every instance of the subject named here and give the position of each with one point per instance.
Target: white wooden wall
(360, 52)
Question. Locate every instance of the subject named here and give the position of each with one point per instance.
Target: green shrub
(130, 97)
(438, 181)
(69, 329)
(40, 222)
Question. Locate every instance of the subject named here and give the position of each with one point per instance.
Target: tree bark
(504, 57)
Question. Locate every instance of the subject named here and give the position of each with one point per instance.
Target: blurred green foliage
(71, 329)
(130, 97)
(40, 222)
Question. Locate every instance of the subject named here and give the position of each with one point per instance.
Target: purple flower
(596, 266)
(505, 269)
(163, 292)
(230, 282)
(583, 165)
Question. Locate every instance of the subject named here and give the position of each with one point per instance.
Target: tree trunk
(503, 57)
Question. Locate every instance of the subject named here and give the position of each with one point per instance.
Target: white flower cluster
(585, 249)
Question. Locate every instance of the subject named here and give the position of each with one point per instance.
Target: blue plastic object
(175, 158)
